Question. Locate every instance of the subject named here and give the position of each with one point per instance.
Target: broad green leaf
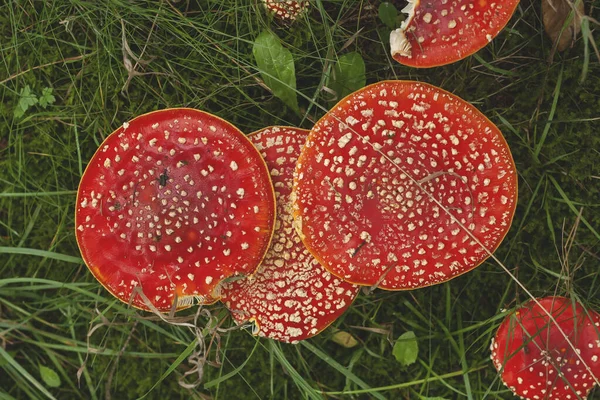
(276, 66)
(406, 348)
(388, 14)
(19, 112)
(348, 75)
(26, 100)
(49, 377)
(344, 339)
(47, 97)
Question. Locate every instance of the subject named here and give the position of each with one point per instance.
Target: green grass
(199, 54)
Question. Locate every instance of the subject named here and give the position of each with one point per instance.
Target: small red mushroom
(286, 10)
(290, 297)
(535, 360)
(441, 32)
(403, 185)
(173, 202)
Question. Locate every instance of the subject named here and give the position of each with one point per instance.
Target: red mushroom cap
(286, 10)
(381, 172)
(533, 357)
(173, 202)
(291, 297)
(440, 32)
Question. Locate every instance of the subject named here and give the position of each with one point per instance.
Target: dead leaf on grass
(555, 14)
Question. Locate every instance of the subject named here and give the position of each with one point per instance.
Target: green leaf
(49, 377)
(406, 349)
(26, 100)
(276, 66)
(348, 75)
(388, 14)
(47, 98)
(19, 112)
(344, 339)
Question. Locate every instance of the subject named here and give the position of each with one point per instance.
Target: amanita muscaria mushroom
(441, 32)
(286, 10)
(403, 185)
(173, 202)
(535, 360)
(290, 297)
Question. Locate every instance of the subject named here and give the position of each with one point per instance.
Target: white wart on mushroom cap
(535, 360)
(441, 32)
(291, 297)
(173, 202)
(286, 10)
(382, 173)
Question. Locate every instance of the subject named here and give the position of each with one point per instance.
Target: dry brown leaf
(555, 13)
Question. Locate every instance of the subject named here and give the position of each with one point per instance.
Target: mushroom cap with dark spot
(535, 360)
(290, 297)
(438, 33)
(403, 185)
(173, 202)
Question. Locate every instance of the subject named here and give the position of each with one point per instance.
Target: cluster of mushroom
(400, 186)
(177, 205)
(547, 349)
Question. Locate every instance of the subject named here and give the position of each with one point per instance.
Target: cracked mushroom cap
(398, 183)
(533, 357)
(286, 10)
(441, 32)
(173, 202)
(291, 297)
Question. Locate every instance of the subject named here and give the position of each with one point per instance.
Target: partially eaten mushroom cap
(291, 297)
(441, 32)
(403, 185)
(535, 360)
(172, 203)
(286, 10)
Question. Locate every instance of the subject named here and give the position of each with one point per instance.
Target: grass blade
(304, 386)
(340, 368)
(25, 374)
(40, 253)
(540, 143)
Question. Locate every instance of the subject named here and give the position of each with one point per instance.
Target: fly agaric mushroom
(173, 202)
(535, 360)
(403, 185)
(286, 10)
(441, 32)
(290, 297)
